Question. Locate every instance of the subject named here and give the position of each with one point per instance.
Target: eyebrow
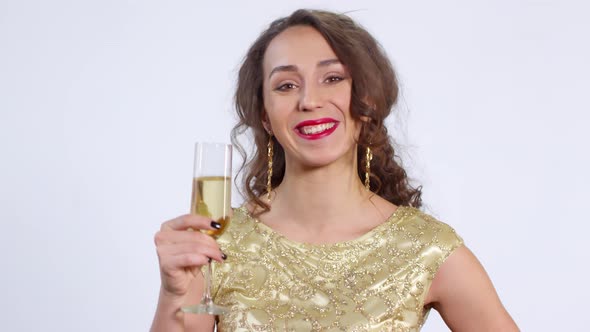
(293, 68)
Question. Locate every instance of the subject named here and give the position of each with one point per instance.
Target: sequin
(377, 282)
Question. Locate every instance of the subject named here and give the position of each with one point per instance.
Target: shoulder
(426, 230)
(422, 240)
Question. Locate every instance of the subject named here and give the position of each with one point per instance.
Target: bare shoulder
(465, 297)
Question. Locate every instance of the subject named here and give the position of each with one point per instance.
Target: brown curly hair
(374, 93)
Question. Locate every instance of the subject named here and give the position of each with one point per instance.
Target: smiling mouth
(316, 129)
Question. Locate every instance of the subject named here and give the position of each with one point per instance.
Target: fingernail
(215, 225)
(210, 259)
(224, 256)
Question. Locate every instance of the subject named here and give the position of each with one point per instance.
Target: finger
(168, 237)
(183, 262)
(192, 221)
(165, 251)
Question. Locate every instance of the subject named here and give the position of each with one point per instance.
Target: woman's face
(307, 93)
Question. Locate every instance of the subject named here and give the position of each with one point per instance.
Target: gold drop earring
(368, 158)
(270, 154)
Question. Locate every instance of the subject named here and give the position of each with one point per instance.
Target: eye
(334, 79)
(286, 87)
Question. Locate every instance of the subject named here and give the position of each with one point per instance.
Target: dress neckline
(393, 218)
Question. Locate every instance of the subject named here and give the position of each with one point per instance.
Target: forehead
(297, 45)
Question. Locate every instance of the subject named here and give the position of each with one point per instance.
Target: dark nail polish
(210, 259)
(215, 225)
(224, 256)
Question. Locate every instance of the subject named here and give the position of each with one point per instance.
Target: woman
(330, 237)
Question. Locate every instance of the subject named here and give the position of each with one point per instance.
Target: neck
(320, 195)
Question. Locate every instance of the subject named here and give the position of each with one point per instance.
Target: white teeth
(310, 130)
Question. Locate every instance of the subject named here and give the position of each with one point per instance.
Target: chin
(321, 159)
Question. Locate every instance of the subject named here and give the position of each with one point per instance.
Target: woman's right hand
(182, 252)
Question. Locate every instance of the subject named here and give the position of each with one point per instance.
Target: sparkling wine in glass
(211, 198)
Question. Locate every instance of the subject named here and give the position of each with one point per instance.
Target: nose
(310, 98)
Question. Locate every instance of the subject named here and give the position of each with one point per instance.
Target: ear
(371, 105)
(266, 123)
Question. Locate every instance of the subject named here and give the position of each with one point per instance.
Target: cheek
(344, 105)
(273, 114)
(270, 110)
(278, 110)
(343, 100)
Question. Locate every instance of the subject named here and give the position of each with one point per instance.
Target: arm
(464, 296)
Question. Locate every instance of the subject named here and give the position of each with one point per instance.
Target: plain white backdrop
(101, 102)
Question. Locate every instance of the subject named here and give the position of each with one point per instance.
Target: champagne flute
(211, 197)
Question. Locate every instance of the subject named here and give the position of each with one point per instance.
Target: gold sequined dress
(377, 282)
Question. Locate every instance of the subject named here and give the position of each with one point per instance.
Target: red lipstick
(316, 133)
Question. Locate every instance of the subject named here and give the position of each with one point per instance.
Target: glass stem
(207, 300)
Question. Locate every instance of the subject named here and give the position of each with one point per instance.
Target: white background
(101, 101)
